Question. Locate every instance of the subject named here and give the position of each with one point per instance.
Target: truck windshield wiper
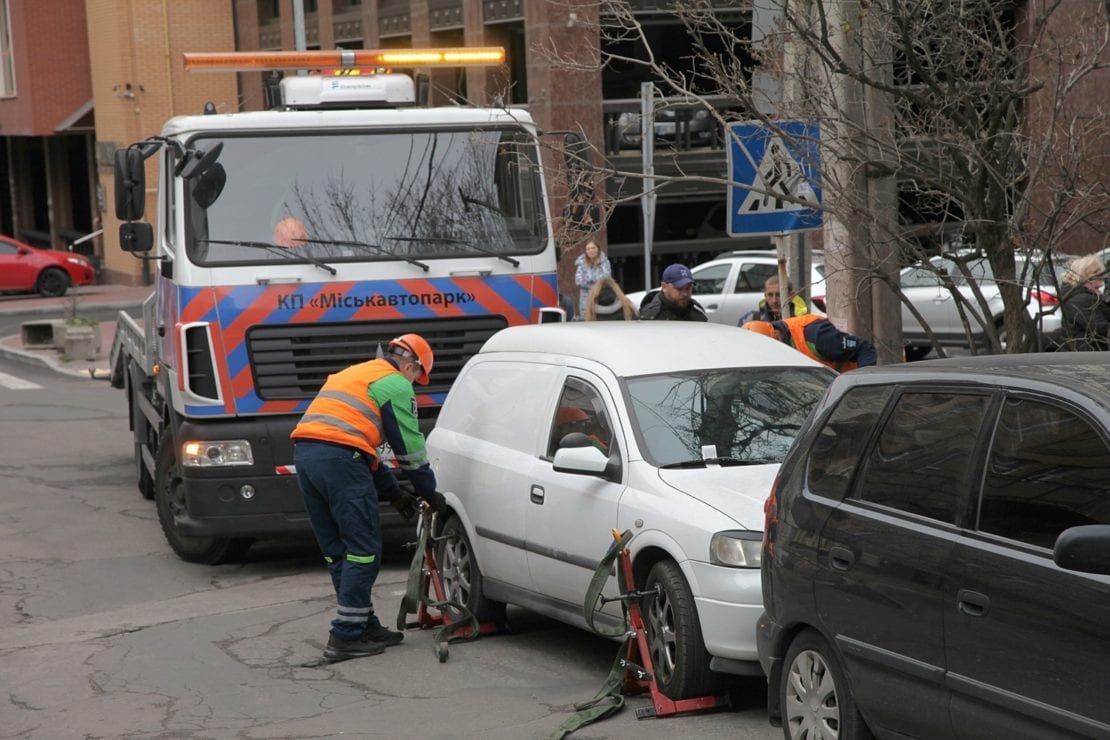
(289, 254)
(460, 242)
(702, 462)
(365, 246)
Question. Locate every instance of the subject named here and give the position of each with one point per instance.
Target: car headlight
(216, 454)
(736, 549)
(77, 261)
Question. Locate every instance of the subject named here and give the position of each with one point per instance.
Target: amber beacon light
(342, 58)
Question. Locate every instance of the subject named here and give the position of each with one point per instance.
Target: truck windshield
(415, 195)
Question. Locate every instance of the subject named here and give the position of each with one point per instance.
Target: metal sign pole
(647, 147)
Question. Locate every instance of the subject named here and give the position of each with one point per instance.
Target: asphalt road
(105, 633)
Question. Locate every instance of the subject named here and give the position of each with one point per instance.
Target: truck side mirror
(130, 184)
(136, 236)
(208, 185)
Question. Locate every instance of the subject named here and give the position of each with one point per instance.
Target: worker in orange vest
(341, 479)
(814, 335)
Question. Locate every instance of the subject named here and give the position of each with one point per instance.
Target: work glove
(406, 505)
(435, 501)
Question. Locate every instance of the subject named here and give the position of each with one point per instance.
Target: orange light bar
(232, 61)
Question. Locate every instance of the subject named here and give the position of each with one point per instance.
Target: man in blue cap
(674, 301)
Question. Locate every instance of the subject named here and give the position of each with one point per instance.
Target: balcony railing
(681, 124)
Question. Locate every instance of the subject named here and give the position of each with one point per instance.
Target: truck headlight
(736, 549)
(216, 454)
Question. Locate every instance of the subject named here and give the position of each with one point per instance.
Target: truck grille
(292, 361)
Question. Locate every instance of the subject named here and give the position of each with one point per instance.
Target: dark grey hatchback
(936, 554)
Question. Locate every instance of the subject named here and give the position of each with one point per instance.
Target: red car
(46, 271)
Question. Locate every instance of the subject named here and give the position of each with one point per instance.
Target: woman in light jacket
(590, 267)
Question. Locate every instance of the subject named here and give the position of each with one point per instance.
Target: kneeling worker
(815, 336)
(342, 479)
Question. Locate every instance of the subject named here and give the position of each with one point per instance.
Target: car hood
(738, 492)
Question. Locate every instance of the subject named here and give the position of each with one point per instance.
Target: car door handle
(537, 495)
(710, 306)
(841, 557)
(972, 603)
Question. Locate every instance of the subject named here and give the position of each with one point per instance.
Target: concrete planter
(81, 342)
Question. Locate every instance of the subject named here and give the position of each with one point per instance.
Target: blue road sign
(768, 167)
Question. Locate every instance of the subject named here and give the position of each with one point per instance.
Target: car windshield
(733, 415)
(369, 196)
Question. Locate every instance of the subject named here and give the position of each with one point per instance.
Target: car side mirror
(130, 180)
(1085, 549)
(583, 459)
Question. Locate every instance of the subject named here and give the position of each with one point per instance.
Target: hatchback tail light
(770, 518)
(1045, 298)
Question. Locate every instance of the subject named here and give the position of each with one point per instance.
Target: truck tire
(170, 501)
(141, 431)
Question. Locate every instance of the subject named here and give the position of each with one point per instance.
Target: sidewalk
(18, 308)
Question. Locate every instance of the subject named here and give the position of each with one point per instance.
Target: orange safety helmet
(417, 348)
(570, 415)
(766, 328)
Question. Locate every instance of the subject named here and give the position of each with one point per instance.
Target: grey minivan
(936, 554)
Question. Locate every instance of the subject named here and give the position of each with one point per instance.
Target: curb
(93, 371)
(39, 310)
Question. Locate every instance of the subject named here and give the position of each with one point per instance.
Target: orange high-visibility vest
(343, 412)
(797, 326)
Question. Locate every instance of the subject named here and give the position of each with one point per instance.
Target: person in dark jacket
(674, 301)
(1084, 311)
(815, 336)
(607, 302)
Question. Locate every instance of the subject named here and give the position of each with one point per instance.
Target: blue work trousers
(342, 503)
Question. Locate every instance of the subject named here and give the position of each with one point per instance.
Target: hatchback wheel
(462, 580)
(816, 701)
(678, 654)
(52, 283)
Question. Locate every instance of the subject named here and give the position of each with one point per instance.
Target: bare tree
(945, 127)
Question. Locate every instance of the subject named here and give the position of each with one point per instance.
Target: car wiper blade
(285, 252)
(365, 246)
(702, 462)
(451, 240)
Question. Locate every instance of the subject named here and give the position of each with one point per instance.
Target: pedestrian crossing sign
(776, 183)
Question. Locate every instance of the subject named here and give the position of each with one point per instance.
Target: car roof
(630, 348)
(1085, 373)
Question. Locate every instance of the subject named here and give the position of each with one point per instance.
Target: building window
(268, 10)
(7, 59)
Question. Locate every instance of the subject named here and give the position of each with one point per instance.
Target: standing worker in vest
(342, 479)
(815, 336)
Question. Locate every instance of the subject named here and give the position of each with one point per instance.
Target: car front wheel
(678, 654)
(169, 499)
(816, 701)
(462, 579)
(52, 283)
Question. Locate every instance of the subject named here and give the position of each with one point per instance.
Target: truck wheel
(462, 581)
(674, 637)
(141, 430)
(169, 498)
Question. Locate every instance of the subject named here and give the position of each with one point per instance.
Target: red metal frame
(639, 656)
(433, 580)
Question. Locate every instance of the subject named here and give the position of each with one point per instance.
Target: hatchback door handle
(841, 557)
(972, 603)
(537, 494)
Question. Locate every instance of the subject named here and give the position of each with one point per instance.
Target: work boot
(383, 636)
(339, 649)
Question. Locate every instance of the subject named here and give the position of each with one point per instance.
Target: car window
(753, 275)
(923, 454)
(919, 277)
(750, 415)
(1047, 471)
(711, 279)
(7, 247)
(581, 409)
(841, 441)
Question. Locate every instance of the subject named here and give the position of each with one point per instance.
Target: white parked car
(731, 285)
(555, 434)
(923, 287)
